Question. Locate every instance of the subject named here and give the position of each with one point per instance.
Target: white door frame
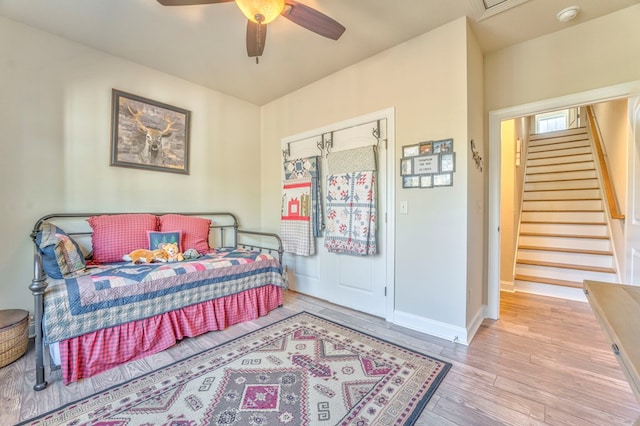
(495, 119)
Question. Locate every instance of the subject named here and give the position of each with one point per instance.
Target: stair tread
(559, 171)
(553, 146)
(567, 250)
(561, 189)
(565, 199)
(567, 266)
(558, 180)
(561, 222)
(565, 155)
(544, 280)
(542, 234)
(560, 211)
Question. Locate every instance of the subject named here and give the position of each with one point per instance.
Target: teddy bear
(173, 252)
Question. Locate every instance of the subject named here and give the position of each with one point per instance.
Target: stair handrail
(607, 184)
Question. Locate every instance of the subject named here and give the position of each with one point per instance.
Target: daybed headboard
(224, 230)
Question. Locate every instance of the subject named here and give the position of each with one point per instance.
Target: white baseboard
(438, 328)
(507, 286)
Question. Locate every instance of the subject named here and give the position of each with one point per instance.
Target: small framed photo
(426, 164)
(448, 162)
(445, 145)
(406, 166)
(411, 182)
(443, 179)
(426, 148)
(426, 181)
(411, 150)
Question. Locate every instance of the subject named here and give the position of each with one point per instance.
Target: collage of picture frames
(428, 164)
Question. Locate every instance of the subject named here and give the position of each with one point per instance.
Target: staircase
(564, 234)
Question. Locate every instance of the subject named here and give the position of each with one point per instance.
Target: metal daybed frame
(221, 233)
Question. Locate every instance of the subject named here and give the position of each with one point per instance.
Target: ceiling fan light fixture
(261, 11)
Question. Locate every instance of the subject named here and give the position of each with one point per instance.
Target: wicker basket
(14, 335)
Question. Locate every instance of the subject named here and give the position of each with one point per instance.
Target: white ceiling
(206, 44)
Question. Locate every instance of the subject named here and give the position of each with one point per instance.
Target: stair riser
(567, 258)
(590, 205)
(565, 243)
(578, 194)
(565, 229)
(563, 274)
(558, 153)
(588, 174)
(561, 185)
(572, 184)
(565, 135)
(557, 168)
(558, 216)
(560, 160)
(550, 290)
(583, 143)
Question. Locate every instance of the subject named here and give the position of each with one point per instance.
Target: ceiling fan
(261, 12)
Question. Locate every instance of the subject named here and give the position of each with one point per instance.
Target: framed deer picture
(150, 135)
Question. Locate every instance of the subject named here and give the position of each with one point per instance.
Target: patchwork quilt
(118, 293)
(351, 214)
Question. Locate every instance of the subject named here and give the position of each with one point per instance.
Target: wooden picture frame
(443, 179)
(426, 148)
(406, 166)
(410, 150)
(149, 135)
(443, 146)
(426, 181)
(448, 162)
(411, 181)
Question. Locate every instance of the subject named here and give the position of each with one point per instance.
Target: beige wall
(598, 53)
(508, 184)
(55, 114)
(613, 122)
(476, 181)
(425, 80)
(512, 180)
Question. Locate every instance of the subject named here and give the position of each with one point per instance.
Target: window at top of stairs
(552, 121)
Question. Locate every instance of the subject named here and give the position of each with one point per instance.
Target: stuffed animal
(147, 256)
(191, 254)
(173, 253)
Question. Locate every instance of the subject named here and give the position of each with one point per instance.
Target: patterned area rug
(303, 370)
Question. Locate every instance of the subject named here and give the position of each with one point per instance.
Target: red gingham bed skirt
(93, 353)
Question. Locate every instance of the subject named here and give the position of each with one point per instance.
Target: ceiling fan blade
(312, 20)
(256, 38)
(190, 2)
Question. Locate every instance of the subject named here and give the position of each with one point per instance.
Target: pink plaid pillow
(120, 234)
(195, 230)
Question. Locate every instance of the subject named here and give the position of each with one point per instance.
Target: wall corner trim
(440, 329)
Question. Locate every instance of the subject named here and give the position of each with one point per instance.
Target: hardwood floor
(546, 361)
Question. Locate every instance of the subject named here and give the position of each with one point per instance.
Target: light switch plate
(404, 207)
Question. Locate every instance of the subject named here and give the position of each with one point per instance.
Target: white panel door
(358, 282)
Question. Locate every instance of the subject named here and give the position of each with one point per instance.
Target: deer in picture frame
(153, 152)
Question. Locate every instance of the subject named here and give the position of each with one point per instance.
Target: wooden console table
(617, 307)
